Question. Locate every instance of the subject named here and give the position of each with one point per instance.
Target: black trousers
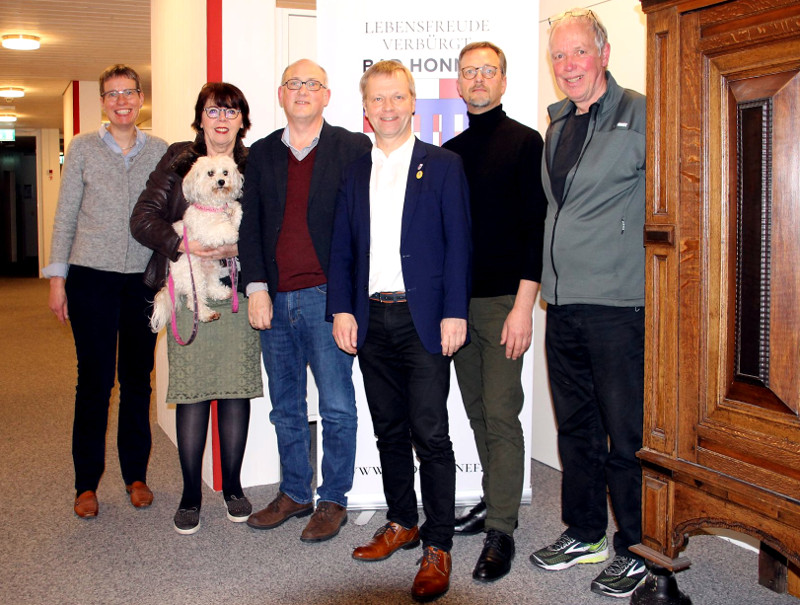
(407, 389)
(108, 312)
(595, 357)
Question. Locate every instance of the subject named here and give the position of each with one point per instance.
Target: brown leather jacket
(162, 203)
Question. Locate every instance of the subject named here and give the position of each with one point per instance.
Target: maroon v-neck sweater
(298, 265)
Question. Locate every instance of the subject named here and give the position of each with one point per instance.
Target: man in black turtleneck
(502, 159)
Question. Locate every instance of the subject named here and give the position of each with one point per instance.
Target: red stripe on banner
(76, 107)
(214, 40)
(215, 455)
(367, 125)
(214, 74)
(448, 88)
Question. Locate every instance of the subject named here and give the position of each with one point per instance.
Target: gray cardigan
(95, 202)
(593, 239)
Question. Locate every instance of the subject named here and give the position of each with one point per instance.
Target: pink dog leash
(171, 285)
(231, 262)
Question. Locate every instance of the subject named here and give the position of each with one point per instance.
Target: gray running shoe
(566, 552)
(620, 578)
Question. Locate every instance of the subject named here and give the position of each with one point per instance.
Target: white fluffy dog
(211, 187)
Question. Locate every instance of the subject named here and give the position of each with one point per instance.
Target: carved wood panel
(722, 238)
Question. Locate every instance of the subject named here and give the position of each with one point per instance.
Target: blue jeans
(301, 337)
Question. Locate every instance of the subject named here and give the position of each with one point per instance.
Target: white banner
(427, 37)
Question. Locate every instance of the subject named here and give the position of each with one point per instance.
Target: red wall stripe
(216, 460)
(214, 40)
(76, 107)
(214, 74)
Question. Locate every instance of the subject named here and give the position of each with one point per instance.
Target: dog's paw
(209, 317)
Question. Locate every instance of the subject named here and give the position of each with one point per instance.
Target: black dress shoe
(473, 522)
(495, 560)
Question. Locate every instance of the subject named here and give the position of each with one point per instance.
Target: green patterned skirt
(223, 362)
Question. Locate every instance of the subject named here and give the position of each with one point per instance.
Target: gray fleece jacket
(593, 238)
(95, 202)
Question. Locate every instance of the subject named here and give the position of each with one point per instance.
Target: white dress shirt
(387, 192)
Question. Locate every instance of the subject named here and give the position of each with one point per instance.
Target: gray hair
(476, 45)
(584, 17)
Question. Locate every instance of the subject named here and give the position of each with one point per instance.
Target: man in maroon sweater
(291, 183)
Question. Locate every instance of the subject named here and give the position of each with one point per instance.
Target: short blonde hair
(386, 68)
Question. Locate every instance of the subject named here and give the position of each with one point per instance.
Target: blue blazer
(435, 243)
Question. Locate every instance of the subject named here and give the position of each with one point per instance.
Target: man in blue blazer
(289, 201)
(399, 293)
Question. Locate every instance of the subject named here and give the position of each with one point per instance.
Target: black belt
(388, 297)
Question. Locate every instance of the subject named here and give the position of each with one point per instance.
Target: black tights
(192, 426)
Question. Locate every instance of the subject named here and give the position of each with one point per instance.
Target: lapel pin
(419, 172)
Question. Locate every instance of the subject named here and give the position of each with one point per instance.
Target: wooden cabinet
(722, 238)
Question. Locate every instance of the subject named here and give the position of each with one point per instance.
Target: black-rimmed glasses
(297, 84)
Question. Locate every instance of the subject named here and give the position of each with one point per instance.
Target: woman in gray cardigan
(95, 272)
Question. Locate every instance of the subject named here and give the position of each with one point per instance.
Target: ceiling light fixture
(11, 92)
(20, 41)
(8, 117)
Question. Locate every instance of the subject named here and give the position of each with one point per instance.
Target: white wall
(89, 108)
(178, 52)
(48, 170)
(249, 40)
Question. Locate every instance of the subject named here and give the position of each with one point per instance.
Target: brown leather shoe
(325, 522)
(388, 539)
(278, 511)
(140, 494)
(433, 577)
(86, 505)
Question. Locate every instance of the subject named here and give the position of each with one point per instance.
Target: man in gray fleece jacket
(593, 173)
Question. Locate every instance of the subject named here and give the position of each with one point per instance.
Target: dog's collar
(211, 208)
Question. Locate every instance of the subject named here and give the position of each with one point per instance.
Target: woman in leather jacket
(223, 363)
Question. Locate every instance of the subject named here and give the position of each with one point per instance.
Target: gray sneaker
(566, 552)
(239, 509)
(187, 520)
(620, 578)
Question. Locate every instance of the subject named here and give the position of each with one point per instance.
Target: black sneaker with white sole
(620, 578)
(187, 520)
(239, 509)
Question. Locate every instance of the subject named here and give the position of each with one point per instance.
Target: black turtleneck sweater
(503, 159)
